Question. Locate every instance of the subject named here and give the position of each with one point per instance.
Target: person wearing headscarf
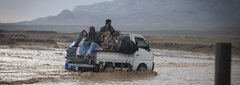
(82, 35)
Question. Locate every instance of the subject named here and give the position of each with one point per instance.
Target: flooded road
(29, 66)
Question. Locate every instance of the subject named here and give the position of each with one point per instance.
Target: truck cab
(142, 59)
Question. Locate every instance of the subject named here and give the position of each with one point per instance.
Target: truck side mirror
(148, 46)
(136, 43)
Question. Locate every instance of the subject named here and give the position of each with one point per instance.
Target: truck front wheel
(142, 67)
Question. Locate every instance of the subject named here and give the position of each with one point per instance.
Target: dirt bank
(195, 44)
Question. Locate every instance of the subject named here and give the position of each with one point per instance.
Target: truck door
(144, 52)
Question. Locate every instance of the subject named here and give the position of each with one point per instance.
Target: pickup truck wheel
(108, 67)
(142, 67)
(100, 67)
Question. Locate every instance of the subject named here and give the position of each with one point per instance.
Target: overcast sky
(25, 10)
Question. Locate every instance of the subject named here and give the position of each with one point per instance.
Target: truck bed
(114, 57)
(103, 56)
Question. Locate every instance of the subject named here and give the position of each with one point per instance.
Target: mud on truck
(141, 60)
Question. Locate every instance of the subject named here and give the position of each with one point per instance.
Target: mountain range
(151, 14)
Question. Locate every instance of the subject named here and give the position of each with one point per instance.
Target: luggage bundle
(127, 47)
(118, 43)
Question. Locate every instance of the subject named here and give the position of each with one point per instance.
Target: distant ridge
(151, 14)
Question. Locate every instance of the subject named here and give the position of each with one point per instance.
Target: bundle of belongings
(107, 43)
(117, 43)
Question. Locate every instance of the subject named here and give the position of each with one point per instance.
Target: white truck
(142, 59)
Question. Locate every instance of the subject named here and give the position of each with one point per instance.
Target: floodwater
(26, 66)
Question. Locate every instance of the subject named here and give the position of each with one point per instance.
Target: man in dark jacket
(92, 35)
(107, 27)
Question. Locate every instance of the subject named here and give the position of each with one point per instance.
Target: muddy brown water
(28, 66)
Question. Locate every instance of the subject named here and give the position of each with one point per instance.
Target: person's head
(108, 22)
(84, 33)
(91, 30)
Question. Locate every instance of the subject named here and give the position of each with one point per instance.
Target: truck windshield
(142, 43)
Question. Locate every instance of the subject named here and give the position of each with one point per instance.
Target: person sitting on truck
(108, 27)
(92, 35)
(82, 35)
(88, 48)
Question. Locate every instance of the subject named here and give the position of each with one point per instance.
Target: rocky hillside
(154, 14)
